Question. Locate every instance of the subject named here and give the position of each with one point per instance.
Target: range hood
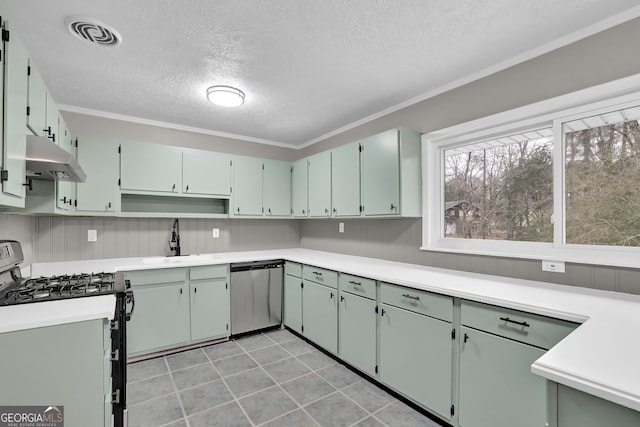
(45, 160)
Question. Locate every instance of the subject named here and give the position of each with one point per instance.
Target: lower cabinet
(497, 387)
(320, 315)
(66, 365)
(177, 306)
(416, 357)
(293, 298)
(357, 334)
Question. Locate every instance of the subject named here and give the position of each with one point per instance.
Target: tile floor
(267, 379)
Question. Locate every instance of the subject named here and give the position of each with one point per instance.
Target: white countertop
(601, 357)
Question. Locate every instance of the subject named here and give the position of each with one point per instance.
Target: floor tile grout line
(235, 399)
(279, 385)
(184, 413)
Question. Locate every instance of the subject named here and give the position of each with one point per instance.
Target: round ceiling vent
(93, 31)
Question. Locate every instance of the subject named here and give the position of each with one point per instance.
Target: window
(549, 181)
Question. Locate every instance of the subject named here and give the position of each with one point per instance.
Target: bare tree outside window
(500, 189)
(602, 179)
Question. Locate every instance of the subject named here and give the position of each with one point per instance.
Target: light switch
(92, 235)
(341, 227)
(216, 233)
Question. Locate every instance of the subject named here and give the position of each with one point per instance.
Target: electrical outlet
(553, 266)
(92, 235)
(341, 227)
(216, 233)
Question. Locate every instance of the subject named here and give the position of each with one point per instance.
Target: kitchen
(54, 238)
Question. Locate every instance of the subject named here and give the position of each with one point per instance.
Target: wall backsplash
(400, 239)
(65, 238)
(20, 228)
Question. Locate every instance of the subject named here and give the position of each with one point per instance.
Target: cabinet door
(299, 181)
(99, 158)
(320, 185)
(276, 188)
(150, 167)
(209, 309)
(357, 334)
(320, 315)
(380, 164)
(497, 387)
(345, 180)
(206, 172)
(416, 357)
(293, 303)
(247, 186)
(37, 103)
(15, 104)
(161, 318)
(52, 123)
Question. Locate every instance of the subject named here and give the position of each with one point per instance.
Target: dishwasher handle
(256, 265)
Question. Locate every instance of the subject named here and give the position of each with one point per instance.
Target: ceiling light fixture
(225, 96)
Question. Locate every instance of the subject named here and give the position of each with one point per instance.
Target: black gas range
(16, 290)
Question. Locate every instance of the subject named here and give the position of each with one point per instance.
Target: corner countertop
(600, 357)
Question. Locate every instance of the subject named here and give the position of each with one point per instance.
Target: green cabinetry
(36, 102)
(319, 184)
(276, 188)
(357, 323)
(205, 172)
(299, 190)
(99, 193)
(497, 348)
(161, 319)
(293, 296)
(209, 297)
(320, 307)
(64, 365)
(150, 167)
(247, 186)
(13, 87)
(416, 350)
(345, 180)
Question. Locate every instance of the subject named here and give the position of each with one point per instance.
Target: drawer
(533, 329)
(208, 272)
(293, 269)
(357, 285)
(152, 277)
(320, 275)
(423, 302)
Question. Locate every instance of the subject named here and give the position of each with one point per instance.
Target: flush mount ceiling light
(93, 31)
(225, 96)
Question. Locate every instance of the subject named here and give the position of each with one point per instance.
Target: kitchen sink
(179, 259)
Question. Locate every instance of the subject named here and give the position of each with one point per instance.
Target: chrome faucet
(175, 238)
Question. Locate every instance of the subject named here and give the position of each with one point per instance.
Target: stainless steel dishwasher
(256, 295)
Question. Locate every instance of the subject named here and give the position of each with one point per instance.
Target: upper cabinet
(345, 180)
(390, 174)
(99, 157)
(319, 184)
(150, 167)
(13, 88)
(299, 180)
(205, 172)
(247, 186)
(276, 188)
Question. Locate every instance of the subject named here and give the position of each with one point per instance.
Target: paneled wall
(65, 238)
(400, 239)
(20, 228)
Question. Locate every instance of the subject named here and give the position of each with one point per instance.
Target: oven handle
(130, 299)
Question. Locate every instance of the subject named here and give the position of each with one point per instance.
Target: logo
(31, 416)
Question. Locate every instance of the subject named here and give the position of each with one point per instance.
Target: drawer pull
(466, 338)
(353, 282)
(523, 324)
(317, 274)
(411, 297)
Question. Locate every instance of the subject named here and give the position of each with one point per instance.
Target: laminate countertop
(601, 357)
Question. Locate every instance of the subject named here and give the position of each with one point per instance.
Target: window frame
(552, 114)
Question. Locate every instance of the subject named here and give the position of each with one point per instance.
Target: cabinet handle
(331, 297)
(70, 202)
(466, 338)
(353, 282)
(335, 211)
(326, 211)
(393, 207)
(238, 210)
(173, 188)
(195, 290)
(269, 211)
(109, 205)
(316, 273)
(382, 312)
(304, 212)
(47, 130)
(29, 184)
(341, 298)
(64, 200)
(180, 291)
(187, 189)
(523, 324)
(411, 297)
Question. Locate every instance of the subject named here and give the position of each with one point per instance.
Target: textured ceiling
(308, 67)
